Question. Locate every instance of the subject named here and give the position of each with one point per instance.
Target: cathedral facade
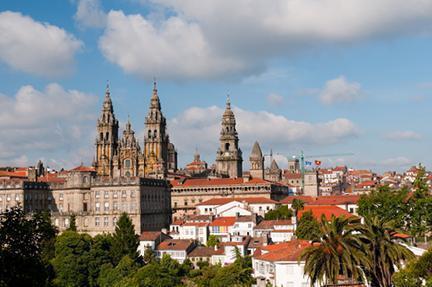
(123, 157)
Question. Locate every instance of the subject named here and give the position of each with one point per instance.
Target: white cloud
(274, 99)
(175, 49)
(403, 135)
(396, 162)
(201, 126)
(221, 38)
(339, 90)
(53, 123)
(34, 47)
(90, 14)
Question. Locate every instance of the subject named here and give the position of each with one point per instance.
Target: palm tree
(297, 204)
(384, 252)
(337, 252)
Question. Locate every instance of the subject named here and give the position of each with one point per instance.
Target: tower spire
(228, 102)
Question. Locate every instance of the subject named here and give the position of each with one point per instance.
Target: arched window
(107, 136)
(127, 174)
(127, 163)
(109, 117)
(101, 136)
(227, 146)
(227, 129)
(155, 133)
(149, 133)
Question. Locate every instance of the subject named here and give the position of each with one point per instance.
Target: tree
(124, 241)
(297, 204)
(71, 261)
(25, 245)
(390, 205)
(337, 252)
(416, 272)
(72, 224)
(282, 212)
(109, 275)
(149, 255)
(99, 255)
(384, 253)
(212, 241)
(308, 227)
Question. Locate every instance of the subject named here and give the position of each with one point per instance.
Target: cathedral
(123, 157)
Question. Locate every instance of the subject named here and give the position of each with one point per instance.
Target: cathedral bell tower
(156, 140)
(229, 156)
(107, 137)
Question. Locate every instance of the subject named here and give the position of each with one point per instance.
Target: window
(97, 194)
(127, 163)
(61, 196)
(123, 193)
(106, 194)
(115, 194)
(132, 193)
(66, 222)
(351, 210)
(97, 205)
(17, 197)
(114, 221)
(115, 206)
(60, 207)
(85, 206)
(97, 221)
(106, 221)
(106, 206)
(127, 174)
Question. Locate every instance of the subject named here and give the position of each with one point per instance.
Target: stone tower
(257, 162)
(229, 156)
(274, 173)
(107, 137)
(129, 160)
(157, 147)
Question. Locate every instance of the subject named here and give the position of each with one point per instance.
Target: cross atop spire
(154, 84)
(107, 89)
(228, 102)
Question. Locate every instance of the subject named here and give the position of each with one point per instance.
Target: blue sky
(324, 77)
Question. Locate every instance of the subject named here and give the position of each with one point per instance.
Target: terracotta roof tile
(196, 182)
(269, 224)
(249, 200)
(326, 210)
(223, 221)
(202, 251)
(151, 235)
(175, 244)
(286, 251)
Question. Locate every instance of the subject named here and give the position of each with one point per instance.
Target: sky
(324, 77)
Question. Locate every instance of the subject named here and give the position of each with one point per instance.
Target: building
(222, 205)
(229, 155)
(97, 202)
(197, 167)
(256, 160)
(187, 193)
(178, 249)
(279, 265)
(150, 240)
(123, 157)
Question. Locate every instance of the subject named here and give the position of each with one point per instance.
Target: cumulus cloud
(221, 38)
(36, 48)
(54, 123)
(339, 90)
(274, 99)
(90, 14)
(175, 49)
(201, 126)
(403, 135)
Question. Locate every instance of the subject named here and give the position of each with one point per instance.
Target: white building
(218, 206)
(278, 265)
(178, 249)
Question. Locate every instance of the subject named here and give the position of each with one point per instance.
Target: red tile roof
(83, 168)
(286, 251)
(326, 210)
(269, 224)
(51, 177)
(323, 200)
(249, 200)
(12, 174)
(223, 221)
(175, 244)
(202, 251)
(196, 182)
(197, 224)
(151, 235)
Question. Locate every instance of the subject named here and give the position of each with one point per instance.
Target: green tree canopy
(212, 240)
(124, 241)
(72, 257)
(25, 248)
(308, 227)
(282, 212)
